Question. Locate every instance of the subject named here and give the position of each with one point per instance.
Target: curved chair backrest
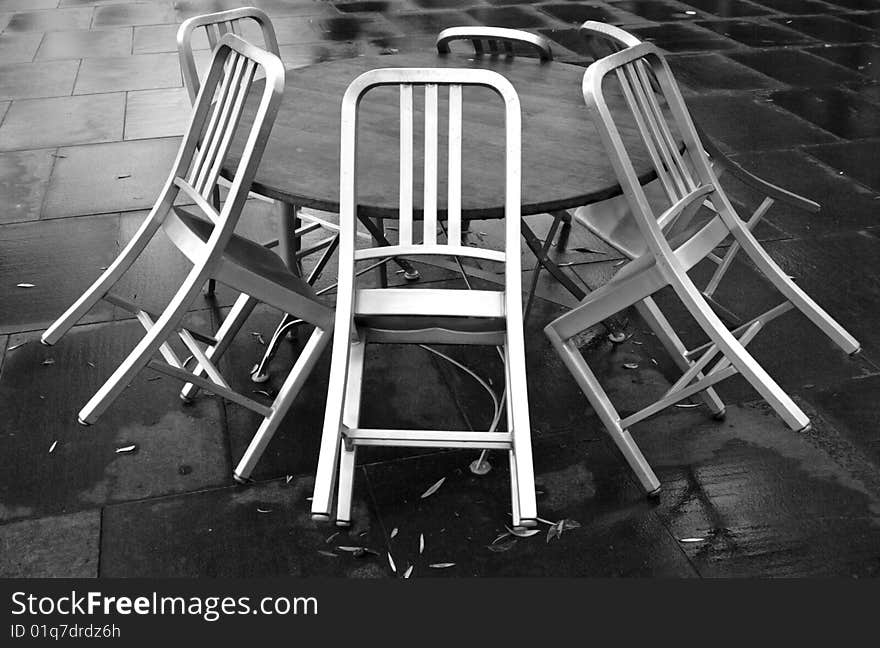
(499, 40)
(430, 80)
(646, 99)
(603, 39)
(217, 115)
(233, 21)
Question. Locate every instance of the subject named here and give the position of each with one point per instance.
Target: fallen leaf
(91, 364)
(263, 392)
(687, 405)
(692, 540)
(48, 361)
(522, 533)
(501, 547)
(349, 549)
(501, 537)
(262, 510)
(394, 532)
(13, 348)
(288, 479)
(631, 365)
(259, 337)
(569, 524)
(434, 488)
(52, 447)
(441, 565)
(329, 554)
(391, 562)
(330, 539)
(555, 531)
(408, 572)
(124, 449)
(25, 285)
(421, 543)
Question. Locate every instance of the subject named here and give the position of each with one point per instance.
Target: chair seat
(246, 264)
(421, 322)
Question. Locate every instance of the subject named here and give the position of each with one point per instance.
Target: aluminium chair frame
(290, 244)
(666, 262)
(360, 313)
(194, 175)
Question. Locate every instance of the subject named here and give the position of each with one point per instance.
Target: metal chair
(653, 108)
(206, 237)
(296, 224)
(417, 316)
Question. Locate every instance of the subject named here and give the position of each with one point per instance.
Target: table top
(564, 164)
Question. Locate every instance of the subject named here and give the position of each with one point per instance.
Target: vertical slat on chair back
(216, 25)
(216, 119)
(640, 76)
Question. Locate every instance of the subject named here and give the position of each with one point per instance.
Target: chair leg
(350, 418)
(331, 435)
(106, 281)
(146, 348)
(793, 293)
(603, 407)
(230, 327)
(286, 395)
(658, 323)
(735, 352)
(519, 425)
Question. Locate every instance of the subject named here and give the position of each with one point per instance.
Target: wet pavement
(91, 108)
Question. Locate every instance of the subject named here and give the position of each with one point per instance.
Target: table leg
(409, 272)
(288, 246)
(612, 324)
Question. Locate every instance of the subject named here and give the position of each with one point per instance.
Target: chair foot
(806, 428)
(260, 377)
(851, 355)
(412, 276)
(720, 415)
(342, 524)
(526, 524)
(478, 467)
(82, 422)
(186, 400)
(320, 517)
(654, 494)
(48, 344)
(241, 480)
(616, 337)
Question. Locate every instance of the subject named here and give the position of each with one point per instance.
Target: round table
(564, 164)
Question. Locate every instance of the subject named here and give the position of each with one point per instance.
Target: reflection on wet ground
(91, 106)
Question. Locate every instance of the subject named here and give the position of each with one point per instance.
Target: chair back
(233, 21)
(216, 118)
(420, 238)
(498, 40)
(647, 102)
(603, 39)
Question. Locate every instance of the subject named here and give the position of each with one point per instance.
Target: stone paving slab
(118, 176)
(54, 465)
(252, 531)
(66, 121)
(63, 546)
